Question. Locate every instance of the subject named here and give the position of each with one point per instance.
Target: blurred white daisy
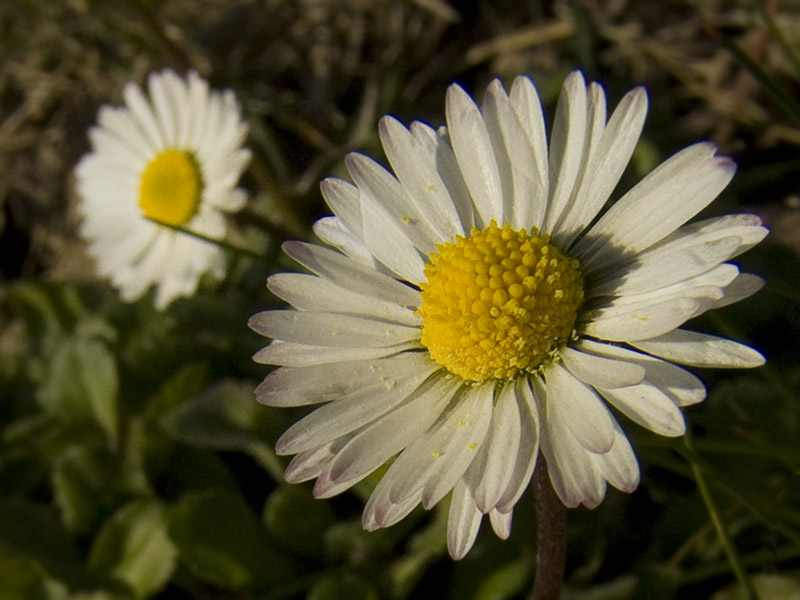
(175, 158)
(476, 309)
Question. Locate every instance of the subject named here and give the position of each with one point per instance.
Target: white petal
(526, 192)
(162, 104)
(683, 387)
(698, 286)
(309, 292)
(345, 415)
(744, 286)
(650, 407)
(595, 123)
(745, 225)
(457, 453)
(199, 99)
(128, 249)
(571, 470)
(207, 147)
(122, 153)
(463, 522)
(343, 198)
(501, 523)
(334, 233)
(566, 145)
(528, 450)
(601, 372)
(596, 115)
(308, 465)
(605, 166)
(657, 267)
(149, 269)
(701, 350)
(120, 123)
(580, 409)
(640, 321)
(143, 115)
(507, 139)
(490, 473)
(349, 274)
(528, 107)
(379, 188)
(330, 329)
(420, 179)
(618, 466)
(706, 295)
(440, 152)
(668, 197)
(298, 386)
(389, 244)
(390, 434)
(289, 354)
(177, 91)
(690, 250)
(381, 512)
(474, 153)
(436, 461)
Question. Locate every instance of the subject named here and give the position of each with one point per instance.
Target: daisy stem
(221, 243)
(716, 519)
(551, 536)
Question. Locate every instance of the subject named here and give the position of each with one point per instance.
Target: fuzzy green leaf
(297, 520)
(30, 531)
(225, 417)
(342, 586)
(82, 384)
(133, 547)
(221, 541)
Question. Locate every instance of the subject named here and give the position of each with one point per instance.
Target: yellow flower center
(498, 302)
(170, 188)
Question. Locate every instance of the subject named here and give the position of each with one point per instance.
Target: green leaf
(97, 595)
(29, 530)
(768, 586)
(22, 579)
(297, 520)
(184, 384)
(82, 384)
(621, 588)
(506, 582)
(133, 547)
(36, 305)
(87, 484)
(221, 541)
(346, 539)
(226, 417)
(342, 586)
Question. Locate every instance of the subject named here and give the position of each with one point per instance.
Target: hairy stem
(551, 536)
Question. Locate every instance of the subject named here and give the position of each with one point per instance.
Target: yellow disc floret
(498, 302)
(170, 187)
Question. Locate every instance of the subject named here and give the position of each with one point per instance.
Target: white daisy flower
(175, 158)
(475, 309)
